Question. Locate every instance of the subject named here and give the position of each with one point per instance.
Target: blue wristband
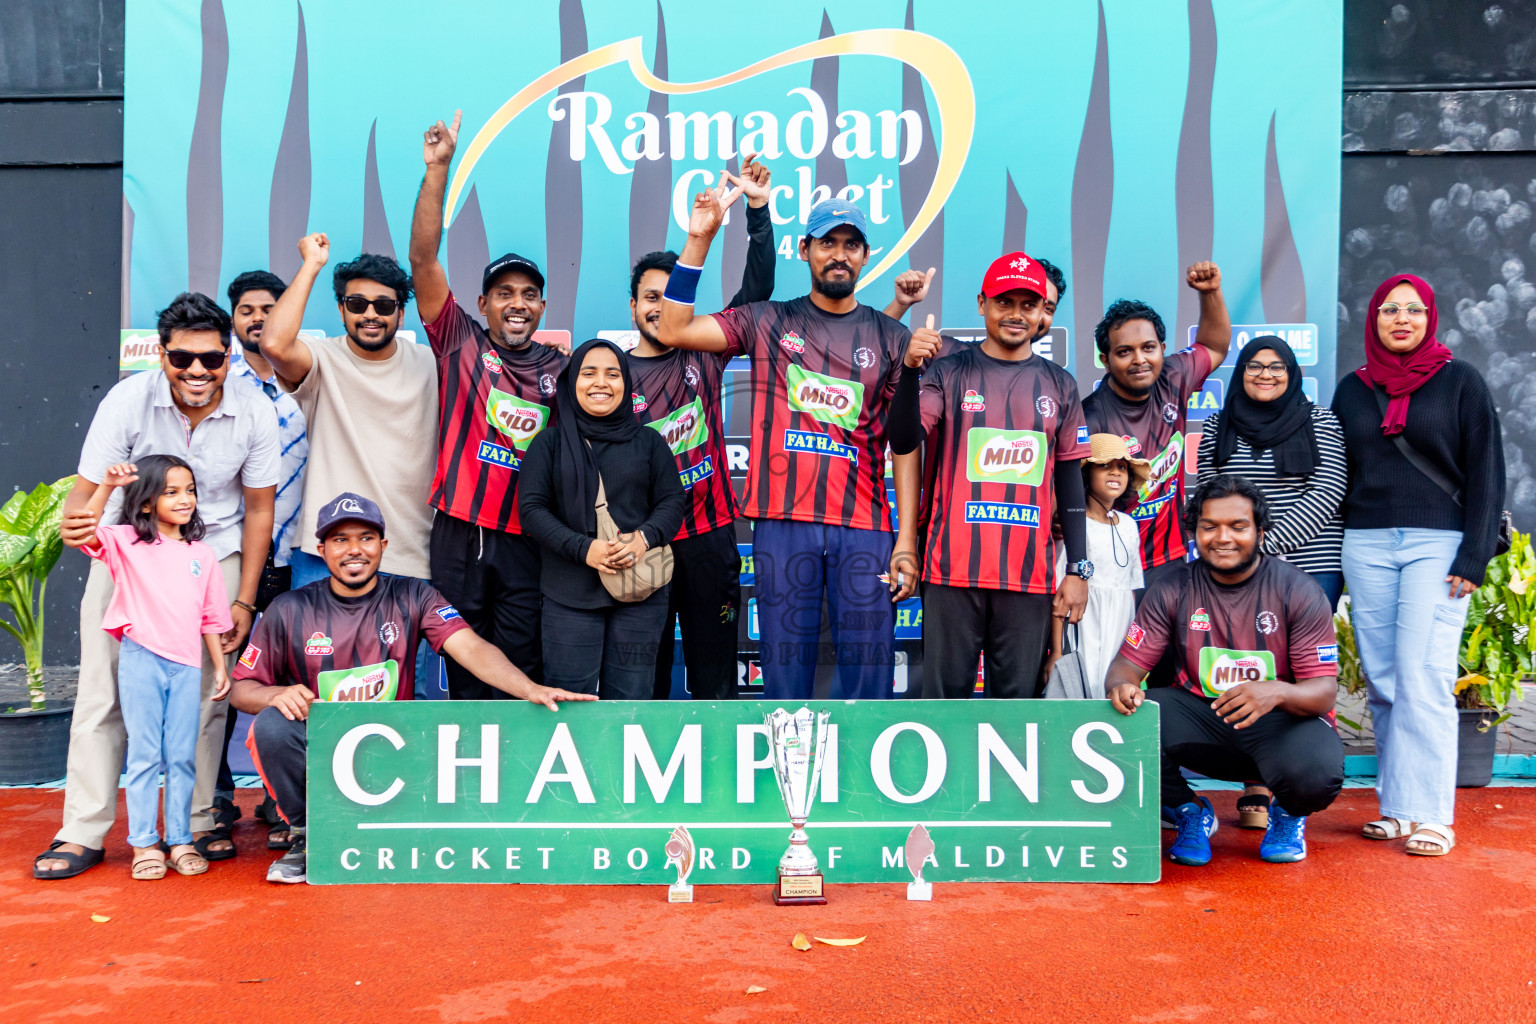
(683, 284)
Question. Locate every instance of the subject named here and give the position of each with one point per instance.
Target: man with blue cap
(824, 369)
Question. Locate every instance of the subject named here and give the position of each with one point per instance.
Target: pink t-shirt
(167, 595)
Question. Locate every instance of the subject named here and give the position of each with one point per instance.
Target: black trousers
(706, 602)
(608, 651)
(278, 748)
(1301, 760)
(492, 578)
(960, 622)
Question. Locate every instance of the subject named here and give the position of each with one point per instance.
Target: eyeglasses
(1261, 369)
(183, 360)
(357, 305)
(1415, 309)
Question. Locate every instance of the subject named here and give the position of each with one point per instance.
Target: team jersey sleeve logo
(683, 429)
(367, 682)
(1135, 635)
(516, 419)
(828, 399)
(1328, 654)
(1005, 456)
(448, 613)
(1221, 669)
(251, 656)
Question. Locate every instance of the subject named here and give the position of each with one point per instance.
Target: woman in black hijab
(593, 643)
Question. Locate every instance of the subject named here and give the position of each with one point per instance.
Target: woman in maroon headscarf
(1413, 549)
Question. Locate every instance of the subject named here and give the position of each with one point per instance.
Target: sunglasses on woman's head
(181, 359)
(357, 305)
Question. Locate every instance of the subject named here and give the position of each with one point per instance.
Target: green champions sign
(1054, 791)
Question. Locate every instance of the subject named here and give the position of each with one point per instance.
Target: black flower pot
(1474, 751)
(34, 745)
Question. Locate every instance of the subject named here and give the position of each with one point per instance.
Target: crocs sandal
(1439, 838)
(1253, 810)
(1387, 828)
(147, 867)
(188, 862)
(78, 862)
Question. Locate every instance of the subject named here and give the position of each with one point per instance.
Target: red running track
(1359, 932)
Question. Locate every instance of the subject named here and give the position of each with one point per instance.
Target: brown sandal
(188, 862)
(148, 865)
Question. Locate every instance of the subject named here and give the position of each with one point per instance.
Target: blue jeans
(161, 701)
(796, 564)
(430, 685)
(1332, 584)
(1408, 631)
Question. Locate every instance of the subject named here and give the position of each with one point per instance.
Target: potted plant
(1497, 646)
(34, 736)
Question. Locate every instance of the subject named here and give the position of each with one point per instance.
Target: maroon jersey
(1154, 430)
(678, 395)
(349, 648)
(491, 405)
(821, 385)
(996, 429)
(1276, 624)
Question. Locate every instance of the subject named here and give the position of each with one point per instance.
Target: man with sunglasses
(370, 402)
(496, 391)
(230, 438)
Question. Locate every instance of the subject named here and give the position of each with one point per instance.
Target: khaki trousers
(97, 738)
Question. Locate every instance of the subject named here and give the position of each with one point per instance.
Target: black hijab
(1284, 424)
(573, 457)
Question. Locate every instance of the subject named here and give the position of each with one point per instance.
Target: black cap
(511, 261)
(348, 507)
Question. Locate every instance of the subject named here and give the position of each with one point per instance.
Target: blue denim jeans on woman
(1408, 632)
(161, 701)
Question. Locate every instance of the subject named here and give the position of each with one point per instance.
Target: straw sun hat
(1106, 448)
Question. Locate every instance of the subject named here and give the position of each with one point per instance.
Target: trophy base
(920, 891)
(679, 894)
(798, 890)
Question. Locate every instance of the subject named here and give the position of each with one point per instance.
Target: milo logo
(1005, 456)
(973, 401)
(516, 419)
(1165, 467)
(364, 683)
(1222, 669)
(829, 399)
(683, 429)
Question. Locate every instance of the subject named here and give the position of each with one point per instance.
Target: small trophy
(919, 848)
(680, 853)
(797, 744)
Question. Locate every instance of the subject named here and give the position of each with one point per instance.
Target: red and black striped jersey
(678, 396)
(1154, 430)
(821, 385)
(996, 429)
(492, 402)
(349, 648)
(1276, 624)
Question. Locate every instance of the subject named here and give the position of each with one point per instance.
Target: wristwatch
(1083, 569)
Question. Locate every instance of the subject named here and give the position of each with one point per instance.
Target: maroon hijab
(1400, 374)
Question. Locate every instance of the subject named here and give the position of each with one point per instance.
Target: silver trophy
(918, 849)
(797, 742)
(680, 853)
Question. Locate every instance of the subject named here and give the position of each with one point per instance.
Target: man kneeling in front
(352, 636)
(1257, 664)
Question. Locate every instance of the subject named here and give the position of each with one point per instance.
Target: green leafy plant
(1498, 644)
(29, 549)
(1351, 675)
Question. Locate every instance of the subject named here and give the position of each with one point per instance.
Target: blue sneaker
(1285, 841)
(1196, 822)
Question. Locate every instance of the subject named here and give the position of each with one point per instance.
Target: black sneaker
(291, 867)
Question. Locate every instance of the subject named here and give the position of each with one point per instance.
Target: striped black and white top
(1306, 527)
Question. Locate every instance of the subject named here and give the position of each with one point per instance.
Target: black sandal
(267, 812)
(78, 862)
(210, 855)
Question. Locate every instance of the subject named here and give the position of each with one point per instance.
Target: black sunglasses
(357, 305)
(183, 360)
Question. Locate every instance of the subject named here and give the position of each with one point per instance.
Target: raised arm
(911, 288)
(1214, 334)
(437, 145)
(280, 342)
(680, 326)
(762, 259)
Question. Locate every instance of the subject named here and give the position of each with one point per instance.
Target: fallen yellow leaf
(841, 942)
(800, 942)
(100, 918)
(753, 990)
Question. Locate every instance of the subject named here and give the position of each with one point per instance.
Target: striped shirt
(1306, 527)
(293, 445)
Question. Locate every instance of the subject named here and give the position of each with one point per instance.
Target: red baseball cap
(1014, 270)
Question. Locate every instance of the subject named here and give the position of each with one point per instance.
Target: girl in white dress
(1112, 479)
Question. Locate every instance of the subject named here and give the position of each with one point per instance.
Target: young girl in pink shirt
(168, 590)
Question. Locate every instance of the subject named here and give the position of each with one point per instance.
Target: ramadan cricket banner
(1010, 791)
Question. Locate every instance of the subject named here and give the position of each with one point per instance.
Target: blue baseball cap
(348, 507)
(831, 213)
